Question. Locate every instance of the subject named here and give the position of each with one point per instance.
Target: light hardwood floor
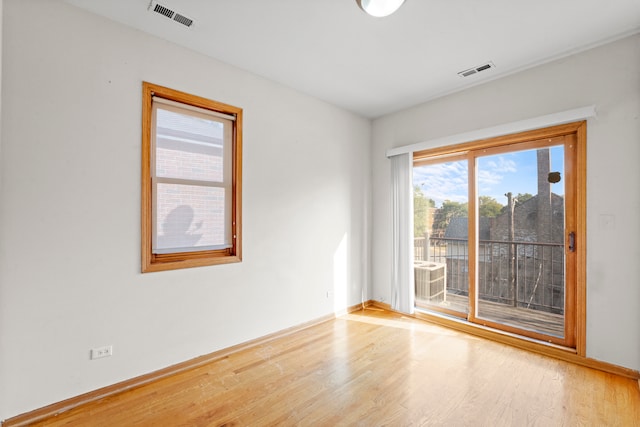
(374, 368)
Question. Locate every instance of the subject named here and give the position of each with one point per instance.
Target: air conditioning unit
(431, 281)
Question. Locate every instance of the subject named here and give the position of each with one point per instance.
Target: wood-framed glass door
(441, 245)
(496, 226)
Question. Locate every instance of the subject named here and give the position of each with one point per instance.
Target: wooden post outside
(425, 247)
(512, 267)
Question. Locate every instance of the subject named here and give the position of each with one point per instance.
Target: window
(499, 233)
(191, 180)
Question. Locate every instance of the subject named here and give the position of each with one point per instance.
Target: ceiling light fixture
(379, 8)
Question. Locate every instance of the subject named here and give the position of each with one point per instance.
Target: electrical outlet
(100, 352)
(329, 294)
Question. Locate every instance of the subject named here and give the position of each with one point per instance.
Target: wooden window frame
(577, 178)
(177, 260)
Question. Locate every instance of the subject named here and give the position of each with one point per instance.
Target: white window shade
(191, 178)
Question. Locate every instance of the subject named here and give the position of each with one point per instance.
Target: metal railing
(521, 274)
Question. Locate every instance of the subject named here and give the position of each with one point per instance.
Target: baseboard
(557, 352)
(55, 409)
(74, 402)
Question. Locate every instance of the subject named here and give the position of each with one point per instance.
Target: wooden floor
(374, 368)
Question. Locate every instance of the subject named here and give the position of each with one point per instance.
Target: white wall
(70, 203)
(606, 76)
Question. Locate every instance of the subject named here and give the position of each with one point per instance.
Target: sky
(514, 172)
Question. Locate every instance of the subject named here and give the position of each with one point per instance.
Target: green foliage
(424, 207)
(489, 207)
(448, 210)
(421, 208)
(523, 197)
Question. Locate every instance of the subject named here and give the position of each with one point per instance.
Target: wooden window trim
(505, 140)
(160, 262)
(576, 130)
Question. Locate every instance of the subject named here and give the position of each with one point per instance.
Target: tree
(489, 207)
(523, 197)
(421, 207)
(448, 210)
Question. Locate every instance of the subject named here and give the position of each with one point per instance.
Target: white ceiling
(332, 50)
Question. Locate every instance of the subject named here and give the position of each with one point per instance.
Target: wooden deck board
(535, 320)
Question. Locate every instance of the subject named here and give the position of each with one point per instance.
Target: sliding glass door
(441, 243)
(495, 234)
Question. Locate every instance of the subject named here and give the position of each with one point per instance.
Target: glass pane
(441, 238)
(521, 245)
(189, 217)
(188, 147)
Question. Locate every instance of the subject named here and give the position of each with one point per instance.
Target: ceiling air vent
(475, 70)
(183, 20)
(171, 14)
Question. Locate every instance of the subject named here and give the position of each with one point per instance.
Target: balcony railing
(520, 274)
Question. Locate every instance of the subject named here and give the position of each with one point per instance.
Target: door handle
(572, 241)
